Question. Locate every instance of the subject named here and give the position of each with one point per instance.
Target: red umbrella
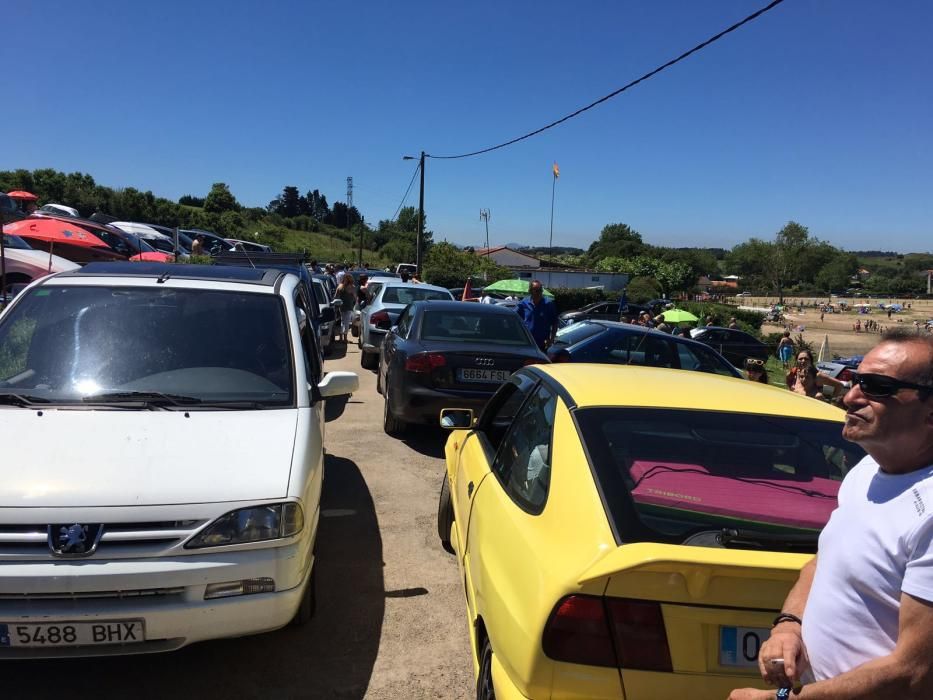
(54, 231)
(153, 256)
(22, 194)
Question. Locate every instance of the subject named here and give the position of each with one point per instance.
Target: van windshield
(686, 476)
(69, 344)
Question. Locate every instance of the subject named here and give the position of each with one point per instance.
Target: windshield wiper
(14, 399)
(745, 539)
(150, 398)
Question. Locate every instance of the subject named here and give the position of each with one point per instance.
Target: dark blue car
(610, 342)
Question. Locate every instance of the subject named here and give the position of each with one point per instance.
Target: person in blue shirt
(539, 315)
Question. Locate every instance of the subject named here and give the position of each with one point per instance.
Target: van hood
(80, 458)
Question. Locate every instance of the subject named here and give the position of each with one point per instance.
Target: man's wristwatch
(783, 693)
(786, 617)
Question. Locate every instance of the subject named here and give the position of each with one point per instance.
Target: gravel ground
(390, 620)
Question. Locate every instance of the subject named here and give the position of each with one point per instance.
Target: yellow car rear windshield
(717, 479)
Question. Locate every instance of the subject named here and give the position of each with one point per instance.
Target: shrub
(642, 289)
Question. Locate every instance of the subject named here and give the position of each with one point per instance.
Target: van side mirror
(327, 314)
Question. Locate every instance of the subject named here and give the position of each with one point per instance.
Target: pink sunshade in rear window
(771, 500)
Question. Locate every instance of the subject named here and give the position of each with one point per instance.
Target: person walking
(785, 349)
(733, 324)
(859, 621)
(539, 314)
(346, 293)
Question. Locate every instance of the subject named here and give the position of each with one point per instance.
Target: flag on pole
(556, 170)
(467, 291)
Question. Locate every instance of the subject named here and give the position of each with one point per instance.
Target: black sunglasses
(880, 386)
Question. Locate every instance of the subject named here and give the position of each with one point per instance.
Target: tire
(369, 360)
(484, 687)
(390, 424)
(445, 515)
(378, 380)
(308, 602)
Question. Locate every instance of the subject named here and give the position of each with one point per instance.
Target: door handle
(469, 489)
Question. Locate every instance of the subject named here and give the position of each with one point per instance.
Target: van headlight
(254, 524)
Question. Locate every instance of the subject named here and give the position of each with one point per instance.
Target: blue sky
(819, 111)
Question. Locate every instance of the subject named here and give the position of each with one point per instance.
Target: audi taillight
(612, 632)
(425, 362)
(845, 375)
(562, 356)
(533, 361)
(380, 319)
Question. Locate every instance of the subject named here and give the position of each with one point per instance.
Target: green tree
(616, 240)
(191, 200)
(448, 266)
(836, 275)
(642, 289)
(220, 199)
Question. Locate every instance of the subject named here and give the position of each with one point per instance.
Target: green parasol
(512, 287)
(679, 316)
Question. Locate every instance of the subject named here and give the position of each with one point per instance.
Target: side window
(404, 322)
(502, 408)
(523, 463)
(312, 358)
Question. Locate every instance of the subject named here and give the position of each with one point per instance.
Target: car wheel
(392, 425)
(308, 602)
(369, 360)
(484, 688)
(445, 515)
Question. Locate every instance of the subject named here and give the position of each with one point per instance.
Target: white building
(528, 267)
(574, 279)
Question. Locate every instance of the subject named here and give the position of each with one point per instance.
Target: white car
(387, 302)
(23, 264)
(162, 458)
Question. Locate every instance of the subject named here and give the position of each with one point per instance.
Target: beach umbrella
(824, 350)
(512, 287)
(679, 316)
(54, 231)
(22, 195)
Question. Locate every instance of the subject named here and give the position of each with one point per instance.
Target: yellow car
(631, 532)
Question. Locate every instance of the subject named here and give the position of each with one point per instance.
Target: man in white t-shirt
(859, 621)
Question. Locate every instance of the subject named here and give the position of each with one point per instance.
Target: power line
(410, 183)
(622, 89)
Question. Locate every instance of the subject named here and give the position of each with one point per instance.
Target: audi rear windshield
(707, 478)
(70, 344)
(474, 327)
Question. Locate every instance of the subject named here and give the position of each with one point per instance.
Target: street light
(420, 212)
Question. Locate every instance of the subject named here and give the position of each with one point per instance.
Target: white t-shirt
(876, 545)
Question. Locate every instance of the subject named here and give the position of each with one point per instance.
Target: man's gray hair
(905, 335)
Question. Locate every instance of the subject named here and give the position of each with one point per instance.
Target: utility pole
(349, 200)
(419, 244)
(420, 234)
(362, 228)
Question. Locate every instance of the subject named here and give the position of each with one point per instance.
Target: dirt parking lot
(390, 620)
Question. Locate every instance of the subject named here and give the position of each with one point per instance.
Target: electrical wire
(646, 76)
(410, 183)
